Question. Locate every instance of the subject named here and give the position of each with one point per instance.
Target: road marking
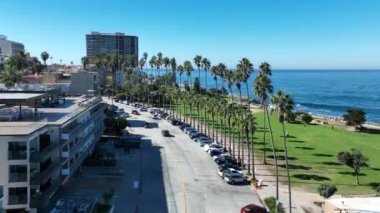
(183, 189)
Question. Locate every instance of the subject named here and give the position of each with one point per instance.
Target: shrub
(271, 204)
(306, 118)
(291, 117)
(377, 189)
(327, 190)
(120, 96)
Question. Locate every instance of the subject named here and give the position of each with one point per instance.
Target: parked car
(124, 115)
(227, 165)
(229, 171)
(252, 208)
(235, 178)
(154, 117)
(213, 153)
(165, 133)
(173, 122)
(226, 161)
(199, 134)
(222, 156)
(146, 125)
(183, 126)
(143, 109)
(204, 142)
(135, 112)
(210, 146)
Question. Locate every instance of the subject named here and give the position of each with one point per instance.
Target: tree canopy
(355, 160)
(355, 117)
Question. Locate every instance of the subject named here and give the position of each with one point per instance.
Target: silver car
(234, 178)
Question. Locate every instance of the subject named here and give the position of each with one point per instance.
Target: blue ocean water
(322, 92)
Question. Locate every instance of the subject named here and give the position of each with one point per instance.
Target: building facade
(82, 82)
(41, 153)
(9, 48)
(117, 43)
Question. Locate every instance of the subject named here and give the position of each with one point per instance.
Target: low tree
(196, 85)
(377, 189)
(355, 117)
(327, 190)
(307, 118)
(85, 61)
(271, 202)
(120, 124)
(355, 160)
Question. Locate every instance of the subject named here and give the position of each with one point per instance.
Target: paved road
(176, 175)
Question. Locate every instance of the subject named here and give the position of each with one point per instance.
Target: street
(174, 174)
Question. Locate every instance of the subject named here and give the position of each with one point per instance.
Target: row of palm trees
(223, 117)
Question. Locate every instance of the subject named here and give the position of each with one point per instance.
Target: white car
(221, 156)
(229, 171)
(125, 102)
(207, 147)
(235, 178)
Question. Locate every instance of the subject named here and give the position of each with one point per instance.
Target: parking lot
(188, 175)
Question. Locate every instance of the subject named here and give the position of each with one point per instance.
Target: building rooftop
(19, 97)
(33, 120)
(370, 204)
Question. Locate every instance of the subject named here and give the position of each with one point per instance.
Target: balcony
(41, 199)
(44, 175)
(18, 177)
(42, 155)
(17, 199)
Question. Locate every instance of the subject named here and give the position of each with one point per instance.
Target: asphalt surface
(174, 174)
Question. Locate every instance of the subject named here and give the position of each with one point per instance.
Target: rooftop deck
(33, 120)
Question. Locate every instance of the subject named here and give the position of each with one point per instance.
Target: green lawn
(312, 151)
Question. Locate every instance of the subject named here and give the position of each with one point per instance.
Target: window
(18, 195)
(18, 173)
(17, 151)
(94, 77)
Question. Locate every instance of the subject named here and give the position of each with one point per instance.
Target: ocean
(321, 92)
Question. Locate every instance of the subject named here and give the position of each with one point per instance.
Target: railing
(17, 199)
(18, 177)
(44, 175)
(39, 156)
(41, 199)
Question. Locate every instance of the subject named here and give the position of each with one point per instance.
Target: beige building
(82, 82)
(41, 148)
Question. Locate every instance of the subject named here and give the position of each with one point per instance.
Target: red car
(135, 112)
(252, 208)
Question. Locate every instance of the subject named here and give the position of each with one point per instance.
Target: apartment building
(9, 48)
(40, 148)
(111, 43)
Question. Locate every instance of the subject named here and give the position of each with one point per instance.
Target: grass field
(312, 151)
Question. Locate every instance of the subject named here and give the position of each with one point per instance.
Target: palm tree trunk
(264, 139)
(274, 156)
(206, 79)
(287, 166)
(213, 128)
(249, 151)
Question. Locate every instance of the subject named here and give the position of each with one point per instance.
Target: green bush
(120, 96)
(306, 118)
(377, 189)
(327, 190)
(271, 204)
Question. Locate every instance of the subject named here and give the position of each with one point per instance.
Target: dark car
(252, 208)
(199, 134)
(165, 133)
(173, 122)
(226, 166)
(226, 161)
(215, 152)
(146, 125)
(135, 112)
(183, 126)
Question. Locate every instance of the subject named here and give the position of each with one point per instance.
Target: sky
(288, 34)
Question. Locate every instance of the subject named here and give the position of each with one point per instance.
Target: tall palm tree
(145, 56)
(44, 57)
(263, 87)
(206, 64)
(284, 103)
(197, 61)
(152, 63)
(215, 73)
(141, 63)
(180, 71)
(188, 69)
(230, 77)
(173, 65)
(85, 61)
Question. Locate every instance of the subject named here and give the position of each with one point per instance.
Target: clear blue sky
(288, 34)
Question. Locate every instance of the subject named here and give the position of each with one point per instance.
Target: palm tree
(262, 87)
(206, 66)
(180, 71)
(222, 69)
(188, 69)
(145, 56)
(44, 57)
(173, 65)
(230, 77)
(284, 103)
(215, 73)
(197, 62)
(141, 63)
(152, 63)
(85, 62)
